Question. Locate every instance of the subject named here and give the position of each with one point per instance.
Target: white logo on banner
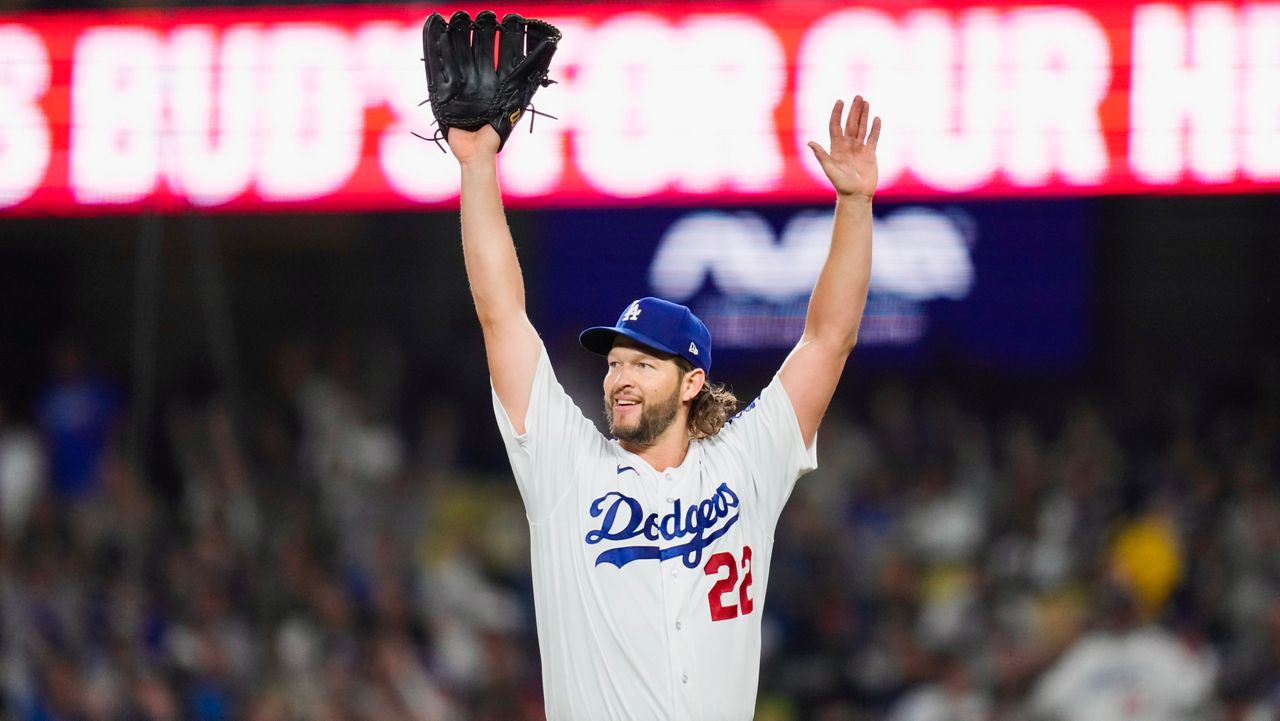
(763, 279)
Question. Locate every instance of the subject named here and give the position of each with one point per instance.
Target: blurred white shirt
(1145, 674)
(935, 703)
(22, 478)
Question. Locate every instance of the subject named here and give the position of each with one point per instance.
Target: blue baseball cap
(659, 324)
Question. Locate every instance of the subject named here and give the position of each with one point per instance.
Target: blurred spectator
(1145, 554)
(1126, 670)
(333, 556)
(22, 476)
(78, 414)
(953, 696)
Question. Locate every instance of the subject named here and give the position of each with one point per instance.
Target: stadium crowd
(315, 551)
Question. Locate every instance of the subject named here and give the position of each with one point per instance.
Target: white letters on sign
(115, 114)
(1061, 68)
(1261, 161)
(313, 112)
(965, 96)
(625, 141)
(24, 132)
(534, 163)
(731, 73)
(233, 108)
(955, 105)
(414, 168)
(1184, 96)
(23, 129)
(212, 95)
(689, 105)
(847, 50)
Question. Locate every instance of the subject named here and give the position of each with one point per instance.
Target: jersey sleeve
(767, 435)
(557, 438)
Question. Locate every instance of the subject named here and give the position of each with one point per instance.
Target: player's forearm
(493, 269)
(840, 294)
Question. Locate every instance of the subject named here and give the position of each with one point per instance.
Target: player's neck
(668, 451)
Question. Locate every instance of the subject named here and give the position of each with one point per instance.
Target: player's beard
(655, 419)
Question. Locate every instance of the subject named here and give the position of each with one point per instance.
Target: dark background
(1178, 285)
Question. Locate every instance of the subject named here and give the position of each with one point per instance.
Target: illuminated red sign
(313, 108)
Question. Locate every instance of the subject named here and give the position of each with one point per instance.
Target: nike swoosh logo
(622, 469)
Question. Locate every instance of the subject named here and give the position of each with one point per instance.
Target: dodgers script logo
(622, 518)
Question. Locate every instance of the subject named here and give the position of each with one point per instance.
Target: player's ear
(691, 384)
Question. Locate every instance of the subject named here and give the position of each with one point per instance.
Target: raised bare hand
(851, 164)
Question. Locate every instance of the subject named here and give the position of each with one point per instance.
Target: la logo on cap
(632, 312)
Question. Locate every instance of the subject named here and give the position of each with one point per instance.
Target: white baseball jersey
(1144, 674)
(649, 585)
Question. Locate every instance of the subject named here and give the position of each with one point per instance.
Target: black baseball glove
(465, 88)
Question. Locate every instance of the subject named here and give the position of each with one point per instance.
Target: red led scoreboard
(312, 107)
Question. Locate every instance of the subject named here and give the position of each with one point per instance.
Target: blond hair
(714, 405)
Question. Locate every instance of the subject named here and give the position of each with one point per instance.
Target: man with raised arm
(651, 550)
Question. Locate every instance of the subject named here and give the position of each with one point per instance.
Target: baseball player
(651, 550)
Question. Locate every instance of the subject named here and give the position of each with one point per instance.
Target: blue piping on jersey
(692, 551)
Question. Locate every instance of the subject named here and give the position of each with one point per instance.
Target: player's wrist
(479, 162)
(854, 199)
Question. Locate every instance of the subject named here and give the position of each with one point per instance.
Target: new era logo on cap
(659, 324)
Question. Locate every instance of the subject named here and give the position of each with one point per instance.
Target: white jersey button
(684, 678)
(674, 573)
(671, 499)
(679, 625)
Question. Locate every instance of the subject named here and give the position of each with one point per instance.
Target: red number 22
(715, 598)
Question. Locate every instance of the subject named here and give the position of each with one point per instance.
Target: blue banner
(998, 285)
